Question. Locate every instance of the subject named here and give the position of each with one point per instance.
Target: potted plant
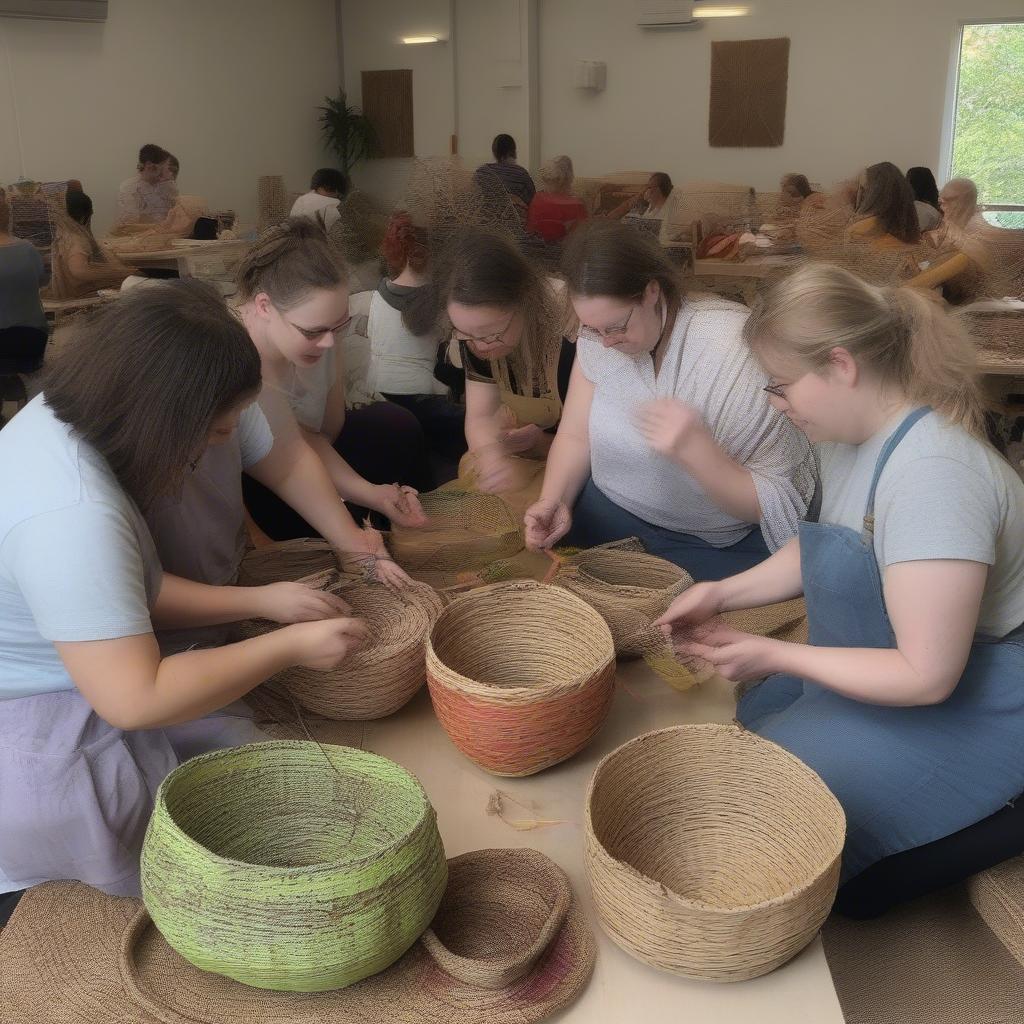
(347, 131)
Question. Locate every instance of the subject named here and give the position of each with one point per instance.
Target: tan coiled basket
(385, 673)
(521, 675)
(711, 852)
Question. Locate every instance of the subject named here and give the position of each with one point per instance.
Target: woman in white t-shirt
(667, 434)
(91, 717)
(909, 699)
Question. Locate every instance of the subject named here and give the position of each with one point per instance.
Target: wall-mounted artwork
(749, 79)
(387, 102)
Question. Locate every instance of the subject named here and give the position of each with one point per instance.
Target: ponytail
(901, 335)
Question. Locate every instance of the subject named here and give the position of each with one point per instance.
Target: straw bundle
(521, 675)
(271, 200)
(383, 675)
(465, 531)
(712, 853)
(290, 866)
(998, 896)
(285, 561)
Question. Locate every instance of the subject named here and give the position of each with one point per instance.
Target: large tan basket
(383, 675)
(521, 675)
(712, 853)
(285, 561)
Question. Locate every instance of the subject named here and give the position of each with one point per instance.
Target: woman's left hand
(671, 427)
(400, 504)
(521, 439)
(738, 656)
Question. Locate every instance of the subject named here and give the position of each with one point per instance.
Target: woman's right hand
(295, 602)
(693, 607)
(323, 645)
(547, 522)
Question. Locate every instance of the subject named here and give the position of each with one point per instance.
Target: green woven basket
(292, 866)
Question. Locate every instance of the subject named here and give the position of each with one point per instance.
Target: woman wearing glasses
(668, 434)
(508, 322)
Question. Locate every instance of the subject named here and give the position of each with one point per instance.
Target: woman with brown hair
(667, 433)
(650, 204)
(507, 321)
(885, 211)
(91, 716)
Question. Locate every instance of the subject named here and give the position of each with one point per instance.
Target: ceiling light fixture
(720, 11)
(415, 40)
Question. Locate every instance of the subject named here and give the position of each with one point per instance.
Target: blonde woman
(909, 699)
(554, 211)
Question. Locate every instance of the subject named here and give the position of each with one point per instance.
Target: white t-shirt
(76, 559)
(313, 206)
(708, 366)
(927, 216)
(942, 494)
(303, 392)
(139, 201)
(401, 363)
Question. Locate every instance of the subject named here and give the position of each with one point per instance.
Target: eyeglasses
(776, 390)
(312, 333)
(487, 339)
(597, 333)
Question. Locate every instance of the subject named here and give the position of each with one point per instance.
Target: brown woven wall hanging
(749, 78)
(387, 102)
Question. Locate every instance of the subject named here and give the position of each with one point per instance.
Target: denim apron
(905, 776)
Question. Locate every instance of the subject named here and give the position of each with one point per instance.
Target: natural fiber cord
(711, 852)
(521, 675)
(269, 865)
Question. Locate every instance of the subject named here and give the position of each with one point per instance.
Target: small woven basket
(711, 852)
(629, 588)
(292, 866)
(521, 675)
(385, 673)
(285, 561)
(466, 530)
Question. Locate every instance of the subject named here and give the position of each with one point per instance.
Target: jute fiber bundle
(465, 530)
(998, 896)
(292, 866)
(385, 673)
(286, 561)
(271, 201)
(711, 852)
(521, 675)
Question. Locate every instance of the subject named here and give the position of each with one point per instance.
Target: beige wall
(229, 86)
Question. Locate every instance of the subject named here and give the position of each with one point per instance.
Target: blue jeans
(596, 519)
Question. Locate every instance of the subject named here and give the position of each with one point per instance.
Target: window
(988, 125)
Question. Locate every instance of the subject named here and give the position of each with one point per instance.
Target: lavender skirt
(76, 794)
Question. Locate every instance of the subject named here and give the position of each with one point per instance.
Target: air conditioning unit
(666, 14)
(55, 10)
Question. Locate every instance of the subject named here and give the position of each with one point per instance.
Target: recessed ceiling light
(413, 40)
(720, 11)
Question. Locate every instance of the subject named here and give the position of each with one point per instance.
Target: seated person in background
(22, 321)
(796, 187)
(885, 211)
(79, 265)
(650, 204)
(514, 179)
(404, 335)
(926, 197)
(554, 211)
(958, 202)
(170, 186)
(326, 188)
(143, 199)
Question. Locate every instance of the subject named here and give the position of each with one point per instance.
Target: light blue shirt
(76, 559)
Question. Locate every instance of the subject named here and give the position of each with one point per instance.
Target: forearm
(183, 603)
(482, 432)
(728, 484)
(871, 675)
(347, 482)
(773, 580)
(933, 277)
(568, 468)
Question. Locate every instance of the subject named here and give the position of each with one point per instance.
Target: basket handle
(503, 971)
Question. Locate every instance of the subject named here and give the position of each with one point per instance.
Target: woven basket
(711, 852)
(629, 588)
(521, 675)
(466, 530)
(385, 673)
(285, 561)
(292, 866)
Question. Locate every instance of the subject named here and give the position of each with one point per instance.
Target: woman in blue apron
(909, 699)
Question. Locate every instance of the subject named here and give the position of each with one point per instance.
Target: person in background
(79, 265)
(327, 188)
(796, 187)
(650, 204)
(885, 213)
(958, 201)
(515, 180)
(926, 197)
(404, 335)
(554, 211)
(23, 329)
(667, 433)
(144, 199)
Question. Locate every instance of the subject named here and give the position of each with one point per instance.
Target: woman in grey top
(21, 275)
